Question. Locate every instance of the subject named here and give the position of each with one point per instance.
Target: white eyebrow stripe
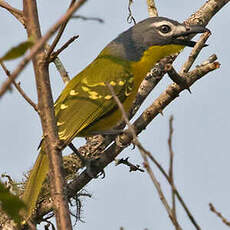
(158, 24)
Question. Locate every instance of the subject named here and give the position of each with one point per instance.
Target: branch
(15, 12)
(131, 166)
(171, 167)
(195, 52)
(56, 53)
(38, 45)
(60, 32)
(160, 193)
(130, 17)
(152, 8)
(20, 90)
(48, 121)
(87, 18)
(224, 220)
(61, 69)
(176, 193)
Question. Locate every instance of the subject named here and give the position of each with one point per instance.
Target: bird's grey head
(154, 31)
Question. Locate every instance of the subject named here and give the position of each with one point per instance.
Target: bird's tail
(34, 183)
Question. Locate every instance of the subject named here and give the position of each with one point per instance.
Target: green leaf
(10, 203)
(17, 51)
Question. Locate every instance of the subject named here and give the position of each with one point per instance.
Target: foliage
(17, 51)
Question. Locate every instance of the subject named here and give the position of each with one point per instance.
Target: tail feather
(34, 183)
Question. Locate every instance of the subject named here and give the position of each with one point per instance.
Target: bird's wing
(86, 98)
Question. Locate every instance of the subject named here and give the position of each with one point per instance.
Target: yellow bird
(86, 106)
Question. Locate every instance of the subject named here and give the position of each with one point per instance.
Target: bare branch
(175, 77)
(15, 12)
(195, 52)
(11, 9)
(61, 69)
(130, 17)
(152, 8)
(160, 193)
(56, 53)
(87, 18)
(176, 192)
(131, 166)
(171, 93)
(171, 154)
(206, 12)
(211, 59)
(213, 209)
(20, 90)
(60, 32)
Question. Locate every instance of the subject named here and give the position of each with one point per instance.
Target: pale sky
(201, 124)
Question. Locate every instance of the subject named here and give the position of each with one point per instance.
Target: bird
(86, 106)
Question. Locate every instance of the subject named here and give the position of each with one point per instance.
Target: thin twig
(152, 8)
(87, 18)
(11, 9)
(195, 52)
(178, 77)
(131, 166)
(15, 12)
(146, 163)
(224, 220)
(211, 59)
(130, 17)
(60, 32)
(61, 69)
(5, 86)
(175, 77)
(18, 87)
(175, 190)
(56, 53)
(171, 154)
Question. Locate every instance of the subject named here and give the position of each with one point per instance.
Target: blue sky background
(201, 137)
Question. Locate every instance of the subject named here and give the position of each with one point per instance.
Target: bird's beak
(183, 37)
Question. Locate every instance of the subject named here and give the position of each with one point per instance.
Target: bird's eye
(165, 29)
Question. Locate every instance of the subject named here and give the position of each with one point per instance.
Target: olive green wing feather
(87, 97)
